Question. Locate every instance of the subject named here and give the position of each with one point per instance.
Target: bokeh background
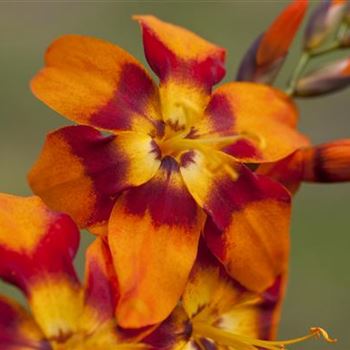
(319, 286)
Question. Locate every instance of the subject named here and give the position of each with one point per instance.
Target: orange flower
(65, 315)
(37, 247)
(173, 165)
(218, 313)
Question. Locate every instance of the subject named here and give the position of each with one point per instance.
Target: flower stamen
(178, 143)
(241, 342)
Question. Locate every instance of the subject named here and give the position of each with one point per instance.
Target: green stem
(333, 46)
(308, 55)
(303, 61)
(342, 31)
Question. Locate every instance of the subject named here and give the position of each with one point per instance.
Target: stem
(303, 61)
(342, 31)
(333, 46)
(308, 55)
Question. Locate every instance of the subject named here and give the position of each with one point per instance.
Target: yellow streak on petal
(56, 304)
(142, 157)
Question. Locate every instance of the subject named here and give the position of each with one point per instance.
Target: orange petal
(264, 119)
(80, 172)
(214, 298)
(248, 223)
(96, 83)
(37, 247)
(101, 286)
(287, 171)
(254, 247)
(153, 235)
(279, 36)
(17, 328)
(187, 65)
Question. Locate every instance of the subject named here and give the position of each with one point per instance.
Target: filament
(241, 342)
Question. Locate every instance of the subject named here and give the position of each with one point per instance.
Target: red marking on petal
(40, 262)
(81, 172)
(248, 228)
(18, 329)
(172, 50)
(179, 210)
(96, 83)
(132, 95)
(101, 285)
(149, 226)
(52, 254)
(243, 149)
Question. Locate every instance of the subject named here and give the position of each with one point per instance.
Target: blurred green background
(319, 286)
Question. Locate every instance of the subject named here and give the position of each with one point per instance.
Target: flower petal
(248, 223)
(80, 172)
(213, 297)
(96, 83)
(171, 334)
(328, 162)
(101, 286)
(37, 247)
(187, 65)
(264, 117)
(153, 235)
(17, 328)
(287, 171)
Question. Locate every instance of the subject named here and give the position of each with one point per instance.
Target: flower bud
(325, 17)
(347, 14)
(330, 78)
(329, 162)
(266, 55)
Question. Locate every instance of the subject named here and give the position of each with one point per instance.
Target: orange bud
(266, 55)
(329, 162)
(279, 36)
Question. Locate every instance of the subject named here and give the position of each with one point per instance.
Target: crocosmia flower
(37, 247)
(173, 165)
(218, 313)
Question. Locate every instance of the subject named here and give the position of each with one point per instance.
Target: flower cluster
(187, 189)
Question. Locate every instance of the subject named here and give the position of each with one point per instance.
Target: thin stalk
(331, 47)
(308, 55)
(299, 69)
